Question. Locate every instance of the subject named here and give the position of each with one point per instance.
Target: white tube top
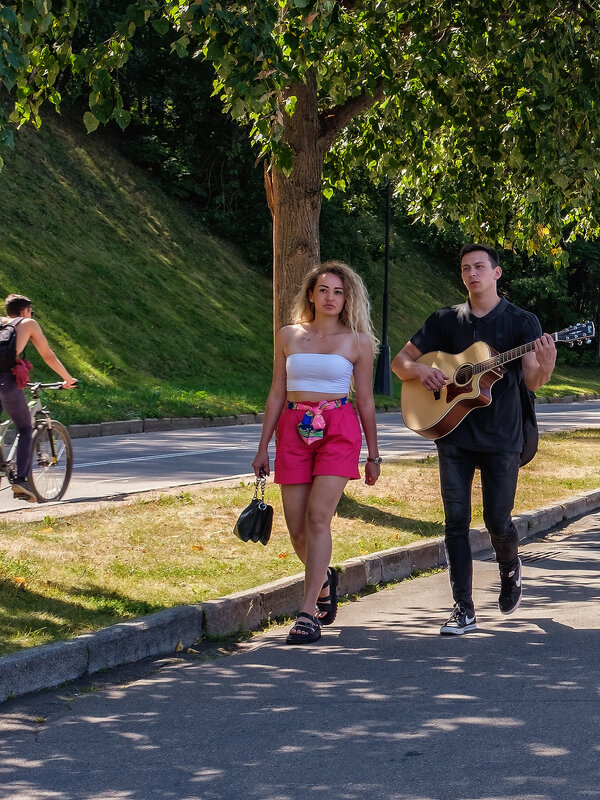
(327, 373)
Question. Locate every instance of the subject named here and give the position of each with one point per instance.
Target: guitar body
(435, 414)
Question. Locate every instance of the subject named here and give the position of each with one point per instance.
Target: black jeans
(14, 402)
(499, 473)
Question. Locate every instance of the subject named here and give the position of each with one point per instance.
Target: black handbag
(256, 520)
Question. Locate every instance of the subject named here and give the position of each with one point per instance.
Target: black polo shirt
(498, 426)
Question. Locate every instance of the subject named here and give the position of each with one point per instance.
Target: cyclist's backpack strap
(16, 322)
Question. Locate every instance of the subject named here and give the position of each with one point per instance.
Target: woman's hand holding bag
(256, 520)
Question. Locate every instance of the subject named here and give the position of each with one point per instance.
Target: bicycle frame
(7, 460)
(36, 409)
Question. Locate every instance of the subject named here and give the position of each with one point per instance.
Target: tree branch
(333, 120)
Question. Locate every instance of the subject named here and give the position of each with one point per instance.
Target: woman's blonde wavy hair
(356, 313)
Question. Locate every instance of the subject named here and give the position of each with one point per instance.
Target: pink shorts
(337, 453)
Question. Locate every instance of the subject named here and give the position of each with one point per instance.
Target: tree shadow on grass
(28, 618)
(350, 508)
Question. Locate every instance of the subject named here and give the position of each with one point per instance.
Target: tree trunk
(295, 201)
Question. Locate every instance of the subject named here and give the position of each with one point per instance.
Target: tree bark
(295, 202)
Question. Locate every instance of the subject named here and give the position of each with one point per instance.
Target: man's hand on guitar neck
(538, 365)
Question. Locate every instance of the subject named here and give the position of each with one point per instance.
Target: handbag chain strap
(260, 481)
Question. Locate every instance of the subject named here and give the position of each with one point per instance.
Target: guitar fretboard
(502, 358)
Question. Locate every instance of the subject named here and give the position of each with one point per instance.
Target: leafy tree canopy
(485, 112)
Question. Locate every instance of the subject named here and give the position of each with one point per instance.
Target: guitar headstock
(576, 333)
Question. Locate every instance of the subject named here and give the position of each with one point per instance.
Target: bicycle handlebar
(34, 385)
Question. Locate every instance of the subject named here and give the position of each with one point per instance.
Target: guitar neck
(503, 358)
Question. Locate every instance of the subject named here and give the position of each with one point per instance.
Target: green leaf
(290, 105)
(122, 118)
(8, 14)
(135, 14)
(45, 22)
(90, 121)
(25, 26)
(180, 46)
(7, 137)
(161, 25)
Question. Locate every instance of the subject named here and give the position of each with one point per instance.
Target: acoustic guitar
(473, 373)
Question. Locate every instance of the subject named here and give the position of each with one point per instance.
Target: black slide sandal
(311, 630)
(329, 604)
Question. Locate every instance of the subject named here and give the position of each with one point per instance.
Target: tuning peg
(571, 344)
(588, 341)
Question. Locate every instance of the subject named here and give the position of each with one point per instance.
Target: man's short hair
(471, 248)
(15, 303)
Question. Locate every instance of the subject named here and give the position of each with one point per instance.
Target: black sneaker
(510, 590)
(460, 621)
(22, 491)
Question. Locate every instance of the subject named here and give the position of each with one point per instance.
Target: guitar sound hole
(464, 375)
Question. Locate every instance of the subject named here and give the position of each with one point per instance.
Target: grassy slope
(154, 315)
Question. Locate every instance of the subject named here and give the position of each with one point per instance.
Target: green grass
(67, 575)
(569, 380)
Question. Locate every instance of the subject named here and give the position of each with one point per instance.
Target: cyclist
(19, 314)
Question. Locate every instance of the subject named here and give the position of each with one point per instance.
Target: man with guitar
(473, 429)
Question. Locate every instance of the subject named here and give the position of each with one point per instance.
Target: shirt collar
(491, 315)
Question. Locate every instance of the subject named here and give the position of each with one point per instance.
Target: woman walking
(330, 343)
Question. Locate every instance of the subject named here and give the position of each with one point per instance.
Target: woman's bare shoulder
(290, 332)
(364, 345)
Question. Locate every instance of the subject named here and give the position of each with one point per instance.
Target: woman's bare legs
(309, 509)
(295, 500)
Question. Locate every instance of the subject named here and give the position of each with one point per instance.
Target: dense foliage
(486, 113)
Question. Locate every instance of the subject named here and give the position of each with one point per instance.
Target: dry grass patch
(65, 576)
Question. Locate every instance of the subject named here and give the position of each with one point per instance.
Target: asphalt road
(115, 465)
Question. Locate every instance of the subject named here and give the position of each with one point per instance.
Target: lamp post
(383, 369)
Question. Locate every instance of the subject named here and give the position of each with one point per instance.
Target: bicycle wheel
(51, 462)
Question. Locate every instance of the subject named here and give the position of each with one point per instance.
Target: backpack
(8, 346)
(530, 426)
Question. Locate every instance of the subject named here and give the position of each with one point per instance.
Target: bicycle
(52, 451)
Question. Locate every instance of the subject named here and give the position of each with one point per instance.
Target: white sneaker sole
(444, 631)
(514, 608)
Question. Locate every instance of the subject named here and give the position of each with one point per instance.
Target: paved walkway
(382, 707)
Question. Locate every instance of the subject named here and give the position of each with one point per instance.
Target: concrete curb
(166, 631)
(152, 425)
(125, 426)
